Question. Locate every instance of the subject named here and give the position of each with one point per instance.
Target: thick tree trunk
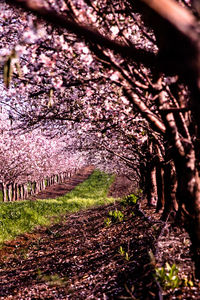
(188, 194)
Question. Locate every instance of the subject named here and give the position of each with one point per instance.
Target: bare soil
(80, 258)
(61, 189)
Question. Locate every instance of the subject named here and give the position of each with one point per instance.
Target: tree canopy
(116, 79)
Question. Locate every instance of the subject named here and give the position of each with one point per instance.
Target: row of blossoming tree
(30, 162)
(123, 75)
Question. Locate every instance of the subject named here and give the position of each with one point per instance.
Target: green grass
(23, 216)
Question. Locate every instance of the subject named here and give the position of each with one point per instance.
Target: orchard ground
(81, 257)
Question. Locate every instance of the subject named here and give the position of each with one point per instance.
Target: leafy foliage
(116, 215)
(107, 222)
(168, 276)
(130, 199)
(124, 254)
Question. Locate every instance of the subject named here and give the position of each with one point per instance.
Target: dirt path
(58, 190)
(80, 257)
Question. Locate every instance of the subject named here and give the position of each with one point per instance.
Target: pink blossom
(57, 82)
(47, 61)
(124, 100)
(30, 36)
(89, 92)
(114, 76)
(85, 50)
(25, 70)
(114, 30)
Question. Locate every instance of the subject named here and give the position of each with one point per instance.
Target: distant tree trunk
(9, 188)
(22, 191)
(37, 187)
(40, 185)
(48, 181)
(17, 192)
(31, 188)
(170, 186)
(62, 177)
(25, 191)
(160, 187)
(152, 195)
(52, 179)
(13, 192)
(34, 187)
(59, 178)
(160, 180)
(4, 190)
(151, 183)
(43, 184)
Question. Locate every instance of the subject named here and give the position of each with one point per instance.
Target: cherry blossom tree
(30, 162)
(109, 68)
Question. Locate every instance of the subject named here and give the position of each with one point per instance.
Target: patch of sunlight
(23, 216)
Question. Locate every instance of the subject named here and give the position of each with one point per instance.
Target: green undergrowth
(23, 216)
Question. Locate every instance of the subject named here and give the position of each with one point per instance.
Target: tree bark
(22, 191)
(17, 192)
(170, 186)
(25, 191)
(4, 190)
(9, 188)
(188, 194)
(13, 192)
(160, 186)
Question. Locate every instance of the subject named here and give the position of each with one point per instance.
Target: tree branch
(89, 34)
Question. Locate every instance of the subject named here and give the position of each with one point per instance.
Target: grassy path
(80, 252)
(23, 216)
(80, 257)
